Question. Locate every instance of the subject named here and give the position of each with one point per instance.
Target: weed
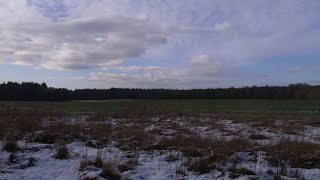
(12, 158)
(235, 173)
(202, 166)
(257, 137)
(299, 154)
(172, 157)
(109, 172)
(124, 167)
(11, 146)
(85, 163)
(46, 137)
(181, 171)
(62, 152)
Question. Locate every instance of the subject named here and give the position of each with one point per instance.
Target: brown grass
(62, 152)
(258, 137)
(299, 154)
(85, 163)
(11, 146)
(109, 172)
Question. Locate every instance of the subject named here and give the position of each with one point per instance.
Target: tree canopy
(31, 91)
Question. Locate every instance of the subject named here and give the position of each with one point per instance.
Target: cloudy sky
(160, 43)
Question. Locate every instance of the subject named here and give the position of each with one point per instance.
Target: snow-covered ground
(36, 160)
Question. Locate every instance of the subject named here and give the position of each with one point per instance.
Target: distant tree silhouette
(31, 91)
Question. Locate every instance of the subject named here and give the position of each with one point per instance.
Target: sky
(178, 44)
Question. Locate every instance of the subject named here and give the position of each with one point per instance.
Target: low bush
(62, 152)
(299, 154)
(46, 138)
(12, 158)
(235, 172)
(257, 137)
(202, 166)
(11, 146)
(109, 172)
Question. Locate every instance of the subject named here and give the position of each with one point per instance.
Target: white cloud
(222, 26)
(192, 40)
(84, 43)
(200, 60)
(73, 44)
(151, 77)
(202, 71)
(204, 65)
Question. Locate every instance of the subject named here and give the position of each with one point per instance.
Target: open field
(196, 106)
(195, 139)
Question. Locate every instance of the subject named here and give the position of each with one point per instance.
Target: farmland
(160, 139)
(196, 106)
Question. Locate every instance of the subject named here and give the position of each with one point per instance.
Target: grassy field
(183, 106)
(167, 139)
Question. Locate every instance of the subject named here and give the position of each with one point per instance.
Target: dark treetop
(30, 91)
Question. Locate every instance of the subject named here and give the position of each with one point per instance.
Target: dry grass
(237, 172)
(257, 137)
(85, 163)
(177, 137)
(15, 123)
(109, 172)
(202, 166)
(130, 134)
(133, 139)
(46, 137)
(299, 154)
(62, 152)
(11, 146)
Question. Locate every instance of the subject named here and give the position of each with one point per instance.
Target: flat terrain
(197, 106)
(192, 139)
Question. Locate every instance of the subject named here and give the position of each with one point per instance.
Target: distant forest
(30, 91)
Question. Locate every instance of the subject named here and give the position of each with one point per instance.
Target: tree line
(31, 91)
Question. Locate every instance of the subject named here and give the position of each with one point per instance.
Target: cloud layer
(78, 44)
(160, 43)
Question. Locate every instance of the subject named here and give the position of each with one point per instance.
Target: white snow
(151, 166)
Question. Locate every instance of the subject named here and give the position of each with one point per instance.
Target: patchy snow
(152, 165)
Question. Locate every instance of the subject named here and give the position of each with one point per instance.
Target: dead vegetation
(62, 152)
(197, 144)
(297, 153)
(109, 172)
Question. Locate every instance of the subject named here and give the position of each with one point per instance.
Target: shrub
(11, 146)
(257, 137)
(91, 144)
(85, 163)
(180, 170)
(172, 157)
(90, 178)
(235, 173)
(109, 172)
(12, 158)
(299, 154)
(46, 138)
(98, 162)
(124, 167)
(62, 152)
(202, 166)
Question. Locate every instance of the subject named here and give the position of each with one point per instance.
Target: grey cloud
(202, 71)
(164, 78)
(72, 44)
(85, 43)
